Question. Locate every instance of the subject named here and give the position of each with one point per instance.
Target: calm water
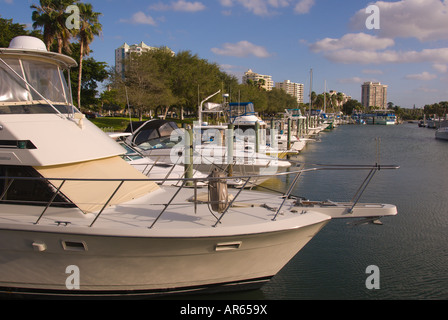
(410, 249)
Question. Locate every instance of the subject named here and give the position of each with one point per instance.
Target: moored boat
(77, 220)
(442, 133)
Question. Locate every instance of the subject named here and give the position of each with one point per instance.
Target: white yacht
(162, 140)
(76, 220)
(152, 169)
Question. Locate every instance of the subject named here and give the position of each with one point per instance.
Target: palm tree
(50, 16)
(89, 27)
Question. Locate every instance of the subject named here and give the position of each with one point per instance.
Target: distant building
(122, 53)
(255, 77)
(294, 89)
(374, 94)
(344, 99)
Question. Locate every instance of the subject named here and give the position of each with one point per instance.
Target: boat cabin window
(34, 109)
(158, 143)
(241, 108)
(130, 154)
(30, 192)
(45, 77)
(156, 134)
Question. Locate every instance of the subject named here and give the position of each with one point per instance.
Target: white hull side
(442, 134)
(120, 265)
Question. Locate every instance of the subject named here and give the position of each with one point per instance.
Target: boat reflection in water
(70, 202)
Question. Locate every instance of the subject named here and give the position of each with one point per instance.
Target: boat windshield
(42, 76)
(241, 108)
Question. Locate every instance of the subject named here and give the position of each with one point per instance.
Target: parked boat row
(79, 220)
(438, 123)
(378, 117)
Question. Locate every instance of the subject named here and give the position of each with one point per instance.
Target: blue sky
(287, 38)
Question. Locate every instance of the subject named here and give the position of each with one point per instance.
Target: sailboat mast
(311, 89)
(325, 97)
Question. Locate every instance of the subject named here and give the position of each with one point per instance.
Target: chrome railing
(193, 183)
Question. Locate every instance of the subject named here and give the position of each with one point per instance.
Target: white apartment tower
(122, 53)
(294, 89)
(255, 77)
(374, 94)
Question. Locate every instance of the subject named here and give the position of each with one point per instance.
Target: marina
(84, 206)
(139, 160)
(51, 202)
(409, 250)
(168, 198)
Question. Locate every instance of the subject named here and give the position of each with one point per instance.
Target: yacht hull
(134, 266)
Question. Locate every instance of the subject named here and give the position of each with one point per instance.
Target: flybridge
(33, 80)
(34, 98)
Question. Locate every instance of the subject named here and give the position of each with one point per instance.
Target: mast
(325, 97)
(311, 89)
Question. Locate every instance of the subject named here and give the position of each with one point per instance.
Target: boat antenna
(129, 109)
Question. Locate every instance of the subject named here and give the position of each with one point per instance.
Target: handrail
(202, 179)
(247, 178)
(50, 202)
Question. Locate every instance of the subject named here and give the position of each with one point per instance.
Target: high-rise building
(122, 53)
(374, 95)
(268, 84)
(294, 89)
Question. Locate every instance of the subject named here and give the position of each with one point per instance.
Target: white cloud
(440, 67)
(424, 76)
(354, 41)
(241, 49)
(355, 80)
(427, 90)
(304, 6)
(265, 7)
(438, 56)
(424, 20)
(140, 18)
(362, 48)
(372, 71)
(180, 5)
(226, 3)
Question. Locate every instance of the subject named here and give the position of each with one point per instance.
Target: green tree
(89, 27)
(146, 84)
(50, 16)
(279, 100)
(94, 72)
(193, 79)
(351, 105)
(249, 93)
(110, 100)
(10, 30)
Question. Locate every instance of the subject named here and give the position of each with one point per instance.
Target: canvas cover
(90, 196)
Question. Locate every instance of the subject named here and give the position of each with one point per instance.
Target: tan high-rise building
(255, 77)
(374, 95)
(294, 89)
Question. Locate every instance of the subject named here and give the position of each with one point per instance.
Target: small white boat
(442, 133)
(77, 220)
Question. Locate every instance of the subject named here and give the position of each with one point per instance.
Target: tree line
(154, 81)
(160, 81)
